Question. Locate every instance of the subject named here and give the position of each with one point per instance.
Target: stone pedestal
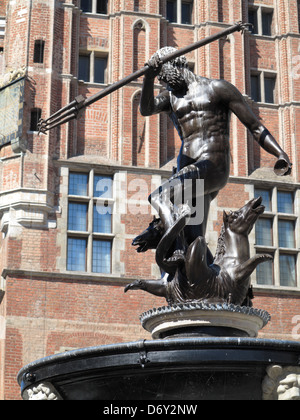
(199, 320)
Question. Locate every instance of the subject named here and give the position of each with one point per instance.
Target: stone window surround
(275, 249)
(94, 8)
(260, 8)
(179, 11)
(118, 242)
(262, 75)
(92, 55)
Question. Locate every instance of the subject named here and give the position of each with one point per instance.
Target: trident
(71, 111)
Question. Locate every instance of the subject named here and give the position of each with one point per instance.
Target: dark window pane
(264, 273)
(76, 260)
(266, 198)
(252, 18)
(101, 256)
(99, 71)
(86, 5)
(38, 56)
(270, 89)
(287, 265)
(186, 13)
(285, 202)
(267, 23)
(172, 11)
(102, 219)
(263, 232)
(34, 119)
(101, 7)
(77, 216)
(255, 88)
(78, 184)
(286, 233)
(84, 68)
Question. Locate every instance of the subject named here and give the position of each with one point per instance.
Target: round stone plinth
(200, 319)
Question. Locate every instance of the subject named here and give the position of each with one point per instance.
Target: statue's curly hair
(178, 62)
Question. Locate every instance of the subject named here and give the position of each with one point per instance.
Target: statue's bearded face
(173, 76)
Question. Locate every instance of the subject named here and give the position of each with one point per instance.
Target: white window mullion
(92, 66)
(276, 239)
(94, 6)
(90, 222)
(179, 11)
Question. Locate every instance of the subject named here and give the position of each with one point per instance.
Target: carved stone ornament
(281, 383)
(43, 391)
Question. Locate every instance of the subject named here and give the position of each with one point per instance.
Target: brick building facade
(64, 261)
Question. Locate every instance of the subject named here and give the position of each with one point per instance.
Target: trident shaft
(72, 110)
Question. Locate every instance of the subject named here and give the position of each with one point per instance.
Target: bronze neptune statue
(200, 109)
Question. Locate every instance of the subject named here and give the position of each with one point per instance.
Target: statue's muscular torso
(202, 122)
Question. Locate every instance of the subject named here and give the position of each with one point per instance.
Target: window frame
(262, 75)
(276, 250)
(94, 8)
(93, 56)
(261, 10)
(89, 234)
(35, 116)
(39, 51)
(2, 26)
(178, 5)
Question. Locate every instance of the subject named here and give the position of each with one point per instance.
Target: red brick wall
(3, 5)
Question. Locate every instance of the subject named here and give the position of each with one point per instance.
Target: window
(263, 87)
(267, 17)
(172, 11)
(39, 46)
(92, 68)
(94, 6)
(35, 116)
(2, 26)
(86, 5)
(275, 233)
(252, 18)
(84, 68)
(255, 88)
(262, 20)
(99, 69)
(179, 11)
(90, 202)
(269, 89)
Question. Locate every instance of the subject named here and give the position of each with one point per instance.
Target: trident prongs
(65, 114)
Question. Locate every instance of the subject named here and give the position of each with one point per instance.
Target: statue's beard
(173, 77)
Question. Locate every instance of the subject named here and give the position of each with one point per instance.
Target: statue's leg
(193, 231)
(172, 192)
(176, 190)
